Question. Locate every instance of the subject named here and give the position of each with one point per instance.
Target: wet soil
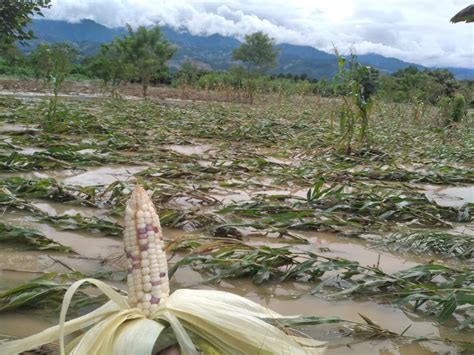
(91, 90)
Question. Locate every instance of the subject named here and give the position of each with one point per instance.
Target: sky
(417, 31)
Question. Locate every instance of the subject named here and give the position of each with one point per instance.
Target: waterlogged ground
(255, 200)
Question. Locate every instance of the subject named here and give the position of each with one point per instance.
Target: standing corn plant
(151, 318)
(56, 64)
(358, 84)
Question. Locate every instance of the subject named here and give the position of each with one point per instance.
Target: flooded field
(254, 200)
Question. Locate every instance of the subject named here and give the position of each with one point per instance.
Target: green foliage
(413, 85)
(54, 64)
(148, 52)
(46, 291)
(29, 237)
(452, 110)
(48, 189)
(188, 74)
(257, 51)
(465, 15)
(41, 61)
(458, 111)
(111, 65)
(361, 83)
(15, 15)
(432, 242)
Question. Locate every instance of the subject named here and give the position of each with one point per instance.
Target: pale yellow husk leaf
(233, 324)
(146, 330)
(51, 335)
(114, 296)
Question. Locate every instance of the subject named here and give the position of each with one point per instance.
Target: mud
(31, 89)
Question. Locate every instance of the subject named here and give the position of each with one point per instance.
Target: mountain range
(214, 51)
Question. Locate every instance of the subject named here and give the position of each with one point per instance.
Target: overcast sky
(418, 31)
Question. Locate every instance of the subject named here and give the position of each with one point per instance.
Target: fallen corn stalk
(205, 321)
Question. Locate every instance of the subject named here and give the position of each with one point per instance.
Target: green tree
(188, 74)
(15, 15)
(40, 60)
(458, 111)
(111, 65)
(148, 52)
(415, 86)
(257, 51)
(446, 83)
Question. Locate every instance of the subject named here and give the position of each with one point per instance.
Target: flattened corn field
(374, 248)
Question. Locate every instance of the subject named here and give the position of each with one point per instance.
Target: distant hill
(215, 51)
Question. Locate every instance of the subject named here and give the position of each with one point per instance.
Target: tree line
(141, 56)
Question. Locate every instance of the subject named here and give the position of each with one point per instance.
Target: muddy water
(229, 196)
(85, 177)
(104, 175)
(287, 298)
(333, 246)
(64, 208)
(191, 149)
(450, 196)
(11, 127)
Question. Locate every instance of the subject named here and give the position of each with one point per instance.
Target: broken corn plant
(218, 322)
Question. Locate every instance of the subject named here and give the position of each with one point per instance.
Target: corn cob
(147, 273)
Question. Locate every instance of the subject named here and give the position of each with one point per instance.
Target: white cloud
(417, 31)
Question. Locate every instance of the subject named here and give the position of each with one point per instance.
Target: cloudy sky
(412, 30)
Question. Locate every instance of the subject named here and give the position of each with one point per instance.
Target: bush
(458, 110)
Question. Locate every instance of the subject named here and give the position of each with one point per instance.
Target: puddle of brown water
(229, 196)
(293, 299)
(357, 250)
(30, 150)
(58, 175)
(85, 244)
(293, 192)
(450, 196)
(63, 208)
(104, 175)
(268, 155)
(467, 229)
(279, 298)
(191, 149)
(28, 261)
(87, 151)
(23, 324)
(13, 127)
(334, 246)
